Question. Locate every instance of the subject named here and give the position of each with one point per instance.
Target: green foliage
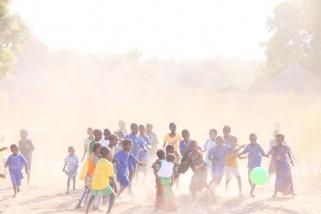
(296, 34)
(12, 33)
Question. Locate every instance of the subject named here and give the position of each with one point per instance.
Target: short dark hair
(213, 130)
(126, 142)
(169, 148)
(170, 157)
(12, 146)
(133, 125)
(104, 151)
(96, 146)
(112, 137)
(160, 154)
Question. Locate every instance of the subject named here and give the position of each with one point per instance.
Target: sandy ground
(46, 194)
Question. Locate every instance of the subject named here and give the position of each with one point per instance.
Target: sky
(168, 29)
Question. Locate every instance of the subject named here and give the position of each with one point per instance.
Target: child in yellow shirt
(103, 180)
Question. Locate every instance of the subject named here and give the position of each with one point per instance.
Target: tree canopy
(12, 33)
(296, 35)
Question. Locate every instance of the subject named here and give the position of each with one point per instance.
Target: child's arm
(140, 163)
(290, 157)
(3, 148)
(64, 168)
(26, 168)
(2, 175)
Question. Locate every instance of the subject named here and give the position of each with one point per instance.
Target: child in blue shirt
(15, 163)
(255, 154)
(184, 145)
(218, 156)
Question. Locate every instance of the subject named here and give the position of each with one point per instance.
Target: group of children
(21, 157)
(111, 161)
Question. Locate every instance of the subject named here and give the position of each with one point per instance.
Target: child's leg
(91, 199)
(131, 176)
(111, 202)
(227, 181)
(239, 181)
(68, 184)
(121, 189)
(74, 182)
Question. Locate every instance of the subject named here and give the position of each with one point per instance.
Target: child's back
(166, 169)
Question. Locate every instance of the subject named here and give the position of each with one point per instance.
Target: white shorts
(232, 172)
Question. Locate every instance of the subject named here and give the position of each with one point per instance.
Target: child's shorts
(232, 172)
(104, 192)
(123, 180)
(16, 178)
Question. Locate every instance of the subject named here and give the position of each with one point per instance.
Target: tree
(296, 35)
(12, 33)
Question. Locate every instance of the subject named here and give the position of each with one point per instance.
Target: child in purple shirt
(15, 163)
(255, 154)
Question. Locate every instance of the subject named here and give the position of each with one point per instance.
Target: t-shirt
(72, 163)
(143, 153)
(182, 147)
(208, 145)
(228, 140)
(153, 139)
(166, 169)
(255, 153)
(87, 142)
(26, 148)
(138, 144)
(231, 159)
(174, 141)
(103, 171)
(104, 143)
(92, 160)
(122, 166)
(16, 162)
(218, 155)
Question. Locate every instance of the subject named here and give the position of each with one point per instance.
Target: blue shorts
(16, 178)
(123, 179)
(132, 164)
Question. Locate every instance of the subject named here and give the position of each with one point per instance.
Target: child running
(26, 148)
(122, 169)
(218, 156)
(166, 175)
(152, 137)
(172, 138)
(208, 145)
(281, 156)
(137, 147)
(89, 169)
(159, 188)
(15, 163)
(144, 153)
(71, 163)
(197, 164)
(103, 180)
(184, 145)
(255, 154)
(232, 166)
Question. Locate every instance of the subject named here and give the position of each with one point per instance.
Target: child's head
(23, 134)
(14, 149)
(253, 138)
(98, 134)
(172, 127)
(71, 150)
(194, 146)
(107, 133)
(212, 134)
(226, 130)
(170, 158)
(160, 154)
(105, 153)
(169, 149)
(113, 140)
(219, 140)
(149, 127)
(141, 129)
(279, 138)
(122, 124)
(96, 148)
(90, 131)
(134, 128)
(120, 134)
(127, 145)
(233, 142)
(185, 135)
